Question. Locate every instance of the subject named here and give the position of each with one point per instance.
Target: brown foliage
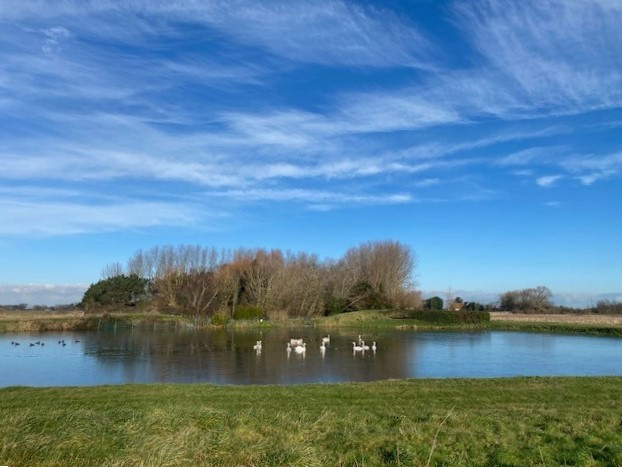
(203, 280)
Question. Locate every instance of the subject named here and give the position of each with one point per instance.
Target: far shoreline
(35, 321)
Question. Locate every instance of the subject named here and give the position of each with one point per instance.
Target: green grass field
(524, 421)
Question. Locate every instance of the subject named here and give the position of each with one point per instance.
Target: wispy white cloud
(589, 179)
(428, 182)
(537, 58)
(590, 168)
(24, 217)
(81, 105)
(554, 56)
(245, 150)
(325, 32)
(54, 37)
(531, 156)
(548, 180)
(317, 197)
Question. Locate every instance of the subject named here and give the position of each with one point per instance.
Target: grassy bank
(553, 327)
(391, 319)
(524, 421)
(27, 321)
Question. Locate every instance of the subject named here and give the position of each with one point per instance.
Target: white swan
(365, 347)
(360, 339)
(257, 346)
(326, 340)
(373, 346)
(323, 347)
(301, 348)
(356, 348)
(296, 342)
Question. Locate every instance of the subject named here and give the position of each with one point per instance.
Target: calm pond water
(145, 355)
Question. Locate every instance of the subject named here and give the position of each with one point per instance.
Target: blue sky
(486, 134)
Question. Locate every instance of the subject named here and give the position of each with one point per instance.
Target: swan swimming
(365, 347)
(257, 346)
(301, 348)
(326, 340)
(373, 346)
(356, 348)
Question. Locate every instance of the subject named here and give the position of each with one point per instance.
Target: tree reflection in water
(165, 354)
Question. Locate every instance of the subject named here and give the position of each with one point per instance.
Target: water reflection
(122, 355)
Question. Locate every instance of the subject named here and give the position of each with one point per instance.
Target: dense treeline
(608, 307)
(539, 300)
(205, 281)
(255, 283)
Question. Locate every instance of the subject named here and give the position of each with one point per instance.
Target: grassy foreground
(523, 421)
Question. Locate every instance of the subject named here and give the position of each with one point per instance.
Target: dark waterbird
(77, 342)
(32, 345)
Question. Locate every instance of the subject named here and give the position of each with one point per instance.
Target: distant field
(27, 315)
(565, 318)
(512, 422)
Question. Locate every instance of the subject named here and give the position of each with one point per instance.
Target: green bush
(248, 312)
(450, 317)
(220, 319)
(363, 296)
(434, 303)
(336, 305)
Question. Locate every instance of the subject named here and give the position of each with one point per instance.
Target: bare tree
(112, 270)
(387, 266)
(449, 299)
(536, 300)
